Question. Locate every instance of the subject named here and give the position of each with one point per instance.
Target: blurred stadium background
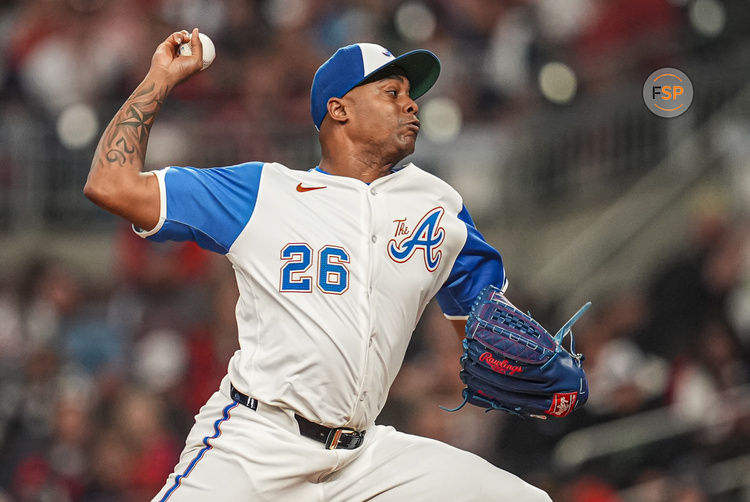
(108, 344)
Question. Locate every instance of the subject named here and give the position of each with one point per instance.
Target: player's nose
(410, 106)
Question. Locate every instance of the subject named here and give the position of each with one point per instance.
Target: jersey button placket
(373, 239)
(369, 287)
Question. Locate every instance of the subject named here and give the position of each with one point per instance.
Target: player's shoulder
(253, 169)
(282, 171)
(245, 175)
(234, 169)
(252, 165)
(428, 180)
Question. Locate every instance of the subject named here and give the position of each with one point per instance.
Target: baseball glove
(511, 363)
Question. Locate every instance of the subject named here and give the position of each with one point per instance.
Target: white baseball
(209, 51)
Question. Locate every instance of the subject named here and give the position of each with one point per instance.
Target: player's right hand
(174, 68)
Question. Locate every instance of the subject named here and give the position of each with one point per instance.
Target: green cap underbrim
(421, 66)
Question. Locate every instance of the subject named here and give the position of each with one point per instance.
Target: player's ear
(337, 110)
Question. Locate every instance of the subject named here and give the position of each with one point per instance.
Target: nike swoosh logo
(300, 188)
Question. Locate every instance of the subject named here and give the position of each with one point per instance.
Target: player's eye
(393, 92)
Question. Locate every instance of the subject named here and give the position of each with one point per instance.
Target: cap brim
(421, 66)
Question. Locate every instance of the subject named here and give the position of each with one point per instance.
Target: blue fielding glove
(511, 363)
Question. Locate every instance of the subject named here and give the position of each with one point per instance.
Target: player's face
(384, 117)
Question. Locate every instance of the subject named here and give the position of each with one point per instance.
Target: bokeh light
(441, 120)
(167, 145)
(77, 125)
(159, 359)
(415, 22)
(286, 13)
(558, 83)
(708, 17)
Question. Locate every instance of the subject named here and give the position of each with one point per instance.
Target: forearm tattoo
(126, 137)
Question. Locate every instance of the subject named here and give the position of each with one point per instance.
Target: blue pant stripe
(194, 462)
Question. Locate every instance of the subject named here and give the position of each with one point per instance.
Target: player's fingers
(195, 44)
(167, 54)
(176, 38)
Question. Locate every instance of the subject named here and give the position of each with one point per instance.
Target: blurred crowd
(59, 52)
(56, 54)
(100, 376)
(100, 381)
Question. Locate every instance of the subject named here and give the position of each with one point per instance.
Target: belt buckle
(332, 441)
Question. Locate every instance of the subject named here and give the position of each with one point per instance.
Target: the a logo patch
(562, 403)
(427, 237)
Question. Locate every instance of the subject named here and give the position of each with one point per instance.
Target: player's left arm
(477, 265)
(459, 326)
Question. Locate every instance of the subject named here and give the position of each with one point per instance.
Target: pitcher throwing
(335, 266)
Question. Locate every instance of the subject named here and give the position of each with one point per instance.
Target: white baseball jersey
(333, 274)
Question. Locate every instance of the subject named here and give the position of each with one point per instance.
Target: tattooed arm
(115, 181)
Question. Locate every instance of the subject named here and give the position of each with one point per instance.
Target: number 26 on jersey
(330, 273)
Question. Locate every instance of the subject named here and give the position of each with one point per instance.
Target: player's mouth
(413, 125)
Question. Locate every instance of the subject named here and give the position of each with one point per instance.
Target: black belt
(341, 438)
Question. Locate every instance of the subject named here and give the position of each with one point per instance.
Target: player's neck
(363, 167)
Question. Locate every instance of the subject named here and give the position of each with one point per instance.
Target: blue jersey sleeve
(478, 265)
(208, 206)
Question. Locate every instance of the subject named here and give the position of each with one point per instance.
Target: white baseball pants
(235, 454)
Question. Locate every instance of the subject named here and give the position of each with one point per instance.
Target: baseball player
(334, 265)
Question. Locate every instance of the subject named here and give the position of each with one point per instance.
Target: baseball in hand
(209, 51)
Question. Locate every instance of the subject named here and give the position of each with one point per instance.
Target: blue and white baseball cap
(351, 65)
